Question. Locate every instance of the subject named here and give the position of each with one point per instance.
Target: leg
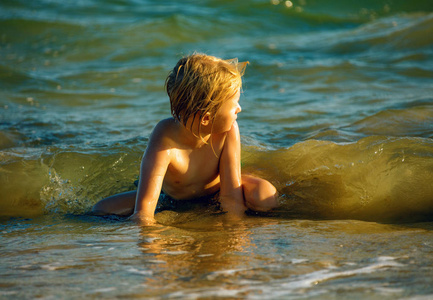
(259, 194)
(121, 204)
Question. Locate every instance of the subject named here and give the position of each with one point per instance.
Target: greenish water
(337, 113)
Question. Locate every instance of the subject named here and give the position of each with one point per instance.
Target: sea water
(337, 113)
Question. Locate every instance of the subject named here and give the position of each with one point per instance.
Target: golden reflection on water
(210, 256)
(200, 252)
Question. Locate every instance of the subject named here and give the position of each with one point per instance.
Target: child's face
(227, 114)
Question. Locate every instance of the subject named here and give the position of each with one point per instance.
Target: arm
(153, 168)
(231, 193)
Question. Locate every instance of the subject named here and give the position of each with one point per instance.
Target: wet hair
(200, 83)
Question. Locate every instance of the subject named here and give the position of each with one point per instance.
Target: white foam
(175, 252)
(104, 290)
(140, 272)
(215, 274)
(314, 278)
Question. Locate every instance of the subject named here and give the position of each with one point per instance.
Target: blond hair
(201, 83)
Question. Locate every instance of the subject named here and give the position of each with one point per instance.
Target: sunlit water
(258, 258)
(337, 113)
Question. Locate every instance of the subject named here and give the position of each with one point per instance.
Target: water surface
(337, 113)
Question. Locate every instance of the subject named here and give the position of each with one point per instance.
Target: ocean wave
(80, 79)
(377, 178)
(405, 31)
(417, 121)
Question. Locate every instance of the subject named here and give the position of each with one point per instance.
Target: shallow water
(337, 113)
(74, 257)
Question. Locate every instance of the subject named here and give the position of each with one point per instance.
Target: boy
(196, 153)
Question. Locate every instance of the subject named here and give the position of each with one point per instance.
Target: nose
(239, 109)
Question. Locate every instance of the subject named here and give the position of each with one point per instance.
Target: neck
(194, 136)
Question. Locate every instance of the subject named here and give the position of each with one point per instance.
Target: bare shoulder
(228, 140)
(163, 133)
(160, 143)
(233, 134)
(165, 126)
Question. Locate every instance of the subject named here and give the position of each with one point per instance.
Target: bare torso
(193, 170)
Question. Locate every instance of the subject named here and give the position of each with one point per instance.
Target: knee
(260, 195)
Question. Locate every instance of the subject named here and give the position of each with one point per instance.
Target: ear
(205, 119)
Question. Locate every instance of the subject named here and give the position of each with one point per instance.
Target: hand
(142, 219)
(234, 208)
